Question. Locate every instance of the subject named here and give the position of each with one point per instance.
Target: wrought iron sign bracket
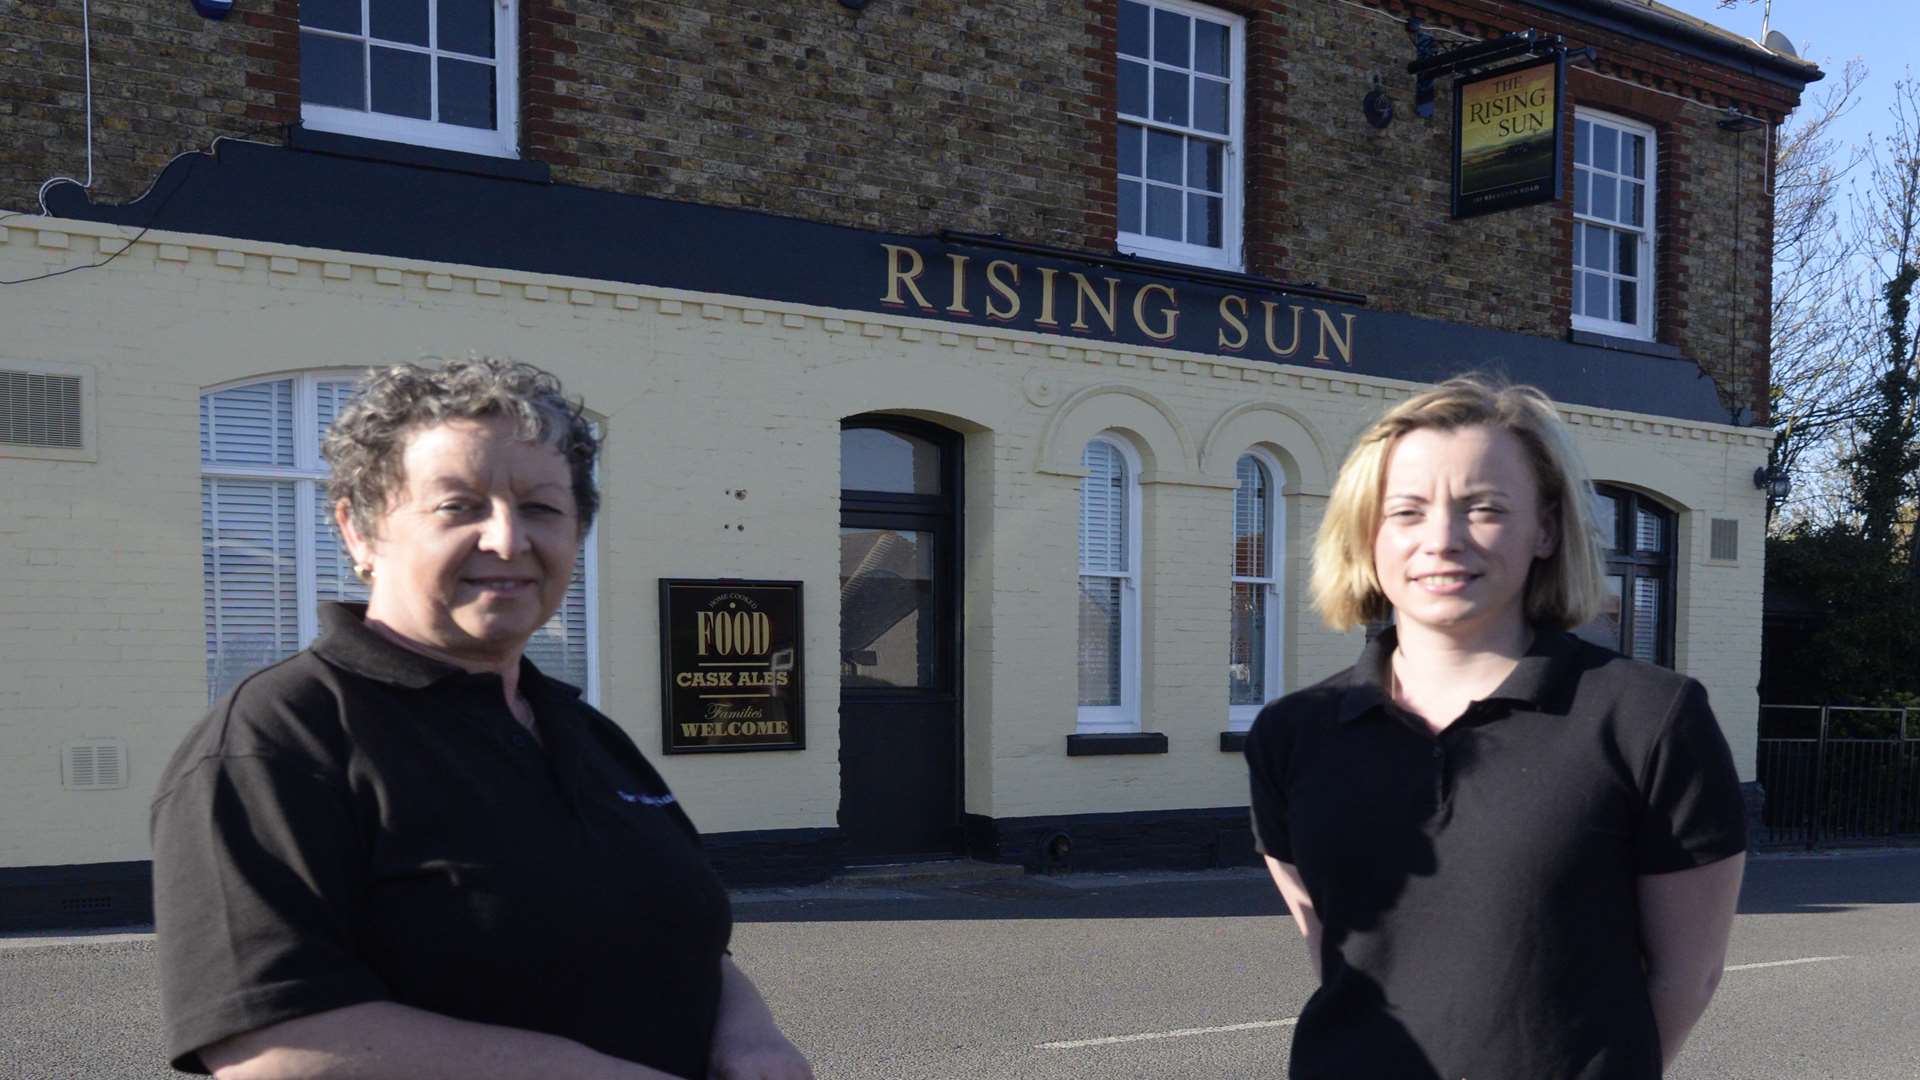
(1432, 62)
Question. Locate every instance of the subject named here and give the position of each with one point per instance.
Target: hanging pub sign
(1506, 137)
(730, 666)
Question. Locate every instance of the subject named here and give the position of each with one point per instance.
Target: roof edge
(1658, 26)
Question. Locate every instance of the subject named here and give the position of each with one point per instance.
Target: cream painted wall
(704, 396)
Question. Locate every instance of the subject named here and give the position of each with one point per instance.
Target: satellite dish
(1778, 42)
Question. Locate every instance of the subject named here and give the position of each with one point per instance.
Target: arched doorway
(899, 639)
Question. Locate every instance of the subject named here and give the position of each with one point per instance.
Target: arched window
(269, 553)
(1639, 536)
(1253, 647)
(1109, 588)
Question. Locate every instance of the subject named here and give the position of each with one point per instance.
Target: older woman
(1512, 853)
(405, 852)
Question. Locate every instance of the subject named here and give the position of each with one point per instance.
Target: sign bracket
(1432, 62)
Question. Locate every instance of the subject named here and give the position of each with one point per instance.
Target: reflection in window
(888, 629)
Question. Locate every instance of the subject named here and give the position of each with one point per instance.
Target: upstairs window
(436, 73)
(1613, 192)
(1181, 80)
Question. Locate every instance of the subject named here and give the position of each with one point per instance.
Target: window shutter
(1103, 509)
(249, 566)
(559, 648)
(1250, 519)
(248, 425)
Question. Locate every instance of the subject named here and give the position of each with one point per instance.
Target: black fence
(1838, 774)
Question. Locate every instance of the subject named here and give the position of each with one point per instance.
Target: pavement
(960, 973)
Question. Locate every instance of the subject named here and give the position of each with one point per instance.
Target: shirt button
(518, 739)
(1438, 753)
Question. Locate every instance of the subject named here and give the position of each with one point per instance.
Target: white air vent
(38, 409)
(1725, 540)
(93, 764)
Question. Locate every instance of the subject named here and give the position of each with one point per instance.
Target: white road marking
(1075, 1044)
(1181, 1033)
(1787, 963)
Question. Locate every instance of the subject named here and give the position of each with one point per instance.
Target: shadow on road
(1803, 885)
(1022, 898)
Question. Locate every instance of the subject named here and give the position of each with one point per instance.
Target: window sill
(1233, 742)
(300, 137)
(1625, 344)
(1118, 742)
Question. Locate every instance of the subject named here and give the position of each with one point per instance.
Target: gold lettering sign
(730, 650)
(1301, 333)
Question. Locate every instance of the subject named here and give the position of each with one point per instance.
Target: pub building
(972, 376)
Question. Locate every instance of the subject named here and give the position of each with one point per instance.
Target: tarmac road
(1112, 976)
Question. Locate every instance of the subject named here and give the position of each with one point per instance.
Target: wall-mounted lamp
(213, 9)
(1737, 121)
(1774, 481)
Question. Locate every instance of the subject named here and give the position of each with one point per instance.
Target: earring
(363, 571)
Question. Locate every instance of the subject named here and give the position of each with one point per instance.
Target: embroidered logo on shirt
(644, 799)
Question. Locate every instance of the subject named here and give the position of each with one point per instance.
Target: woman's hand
(747, 1044)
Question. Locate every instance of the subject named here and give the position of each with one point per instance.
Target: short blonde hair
(1563, 590)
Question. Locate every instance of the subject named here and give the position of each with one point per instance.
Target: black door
(899, 683)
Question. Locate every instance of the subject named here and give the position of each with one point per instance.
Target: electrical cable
(86, 53)
(151, 221)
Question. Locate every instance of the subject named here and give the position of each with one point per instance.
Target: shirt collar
(1536, 680)
(347, 641)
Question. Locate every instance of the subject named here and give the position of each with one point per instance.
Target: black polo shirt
(1477, 887)
(362, 823)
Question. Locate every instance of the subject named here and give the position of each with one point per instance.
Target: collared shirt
(1477, 887)
(363, 823)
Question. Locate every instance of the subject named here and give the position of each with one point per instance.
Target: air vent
(94, 764)
(38, 409)
(1725, 546)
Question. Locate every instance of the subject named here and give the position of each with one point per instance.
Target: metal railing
(1838, 773)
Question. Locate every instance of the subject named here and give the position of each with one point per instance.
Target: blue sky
(1884, 33)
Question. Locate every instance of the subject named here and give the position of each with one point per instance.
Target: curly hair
(1563, 590)
(364, 445)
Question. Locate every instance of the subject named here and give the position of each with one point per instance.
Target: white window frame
(309, 470)
(1240, 717)
(1124, 717)
(502, 141)
(1642, 327)
(1229, 256)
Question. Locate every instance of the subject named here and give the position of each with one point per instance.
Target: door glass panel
(889, 632)
(875, 460)
(1604, 629)
(1246, 656)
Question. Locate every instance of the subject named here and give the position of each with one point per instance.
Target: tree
(1814, 390)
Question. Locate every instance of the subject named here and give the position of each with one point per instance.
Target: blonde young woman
(1511, 853)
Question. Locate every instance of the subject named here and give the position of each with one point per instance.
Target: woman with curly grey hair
(405, 851)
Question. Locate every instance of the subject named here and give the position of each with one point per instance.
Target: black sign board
(1507, 137)
(730, 666)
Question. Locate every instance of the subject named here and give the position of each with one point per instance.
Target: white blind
(1103, 510)
(559, 648)
(248, 425)
(250, 571)
(1250, 519)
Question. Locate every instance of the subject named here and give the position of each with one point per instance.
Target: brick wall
(165, 81)
(988, 117)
